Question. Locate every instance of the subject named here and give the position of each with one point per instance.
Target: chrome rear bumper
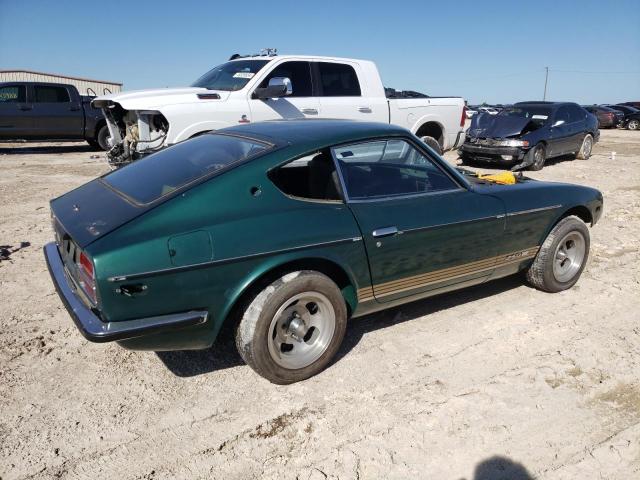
(94, 329)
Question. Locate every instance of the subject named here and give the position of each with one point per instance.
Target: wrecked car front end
(134, 133)
(504, 139)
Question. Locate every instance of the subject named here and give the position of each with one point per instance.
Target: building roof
(62, 76)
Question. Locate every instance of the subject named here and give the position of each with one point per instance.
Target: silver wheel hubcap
(301, 330)
(586, 148)
(569, 256)
(633, 125)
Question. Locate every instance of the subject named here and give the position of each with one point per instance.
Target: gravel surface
(496, 381)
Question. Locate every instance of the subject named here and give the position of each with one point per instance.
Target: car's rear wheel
(562, 257)
(433, 143)
(633, 125)
(585, 149)
(539, 155)
(292, 329)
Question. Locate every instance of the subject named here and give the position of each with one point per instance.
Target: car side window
(575, 114)
(312, 177)
(298, 72)
(13, 94)
(562, 114)
(338, 80)
(49, 94)
(389, 168)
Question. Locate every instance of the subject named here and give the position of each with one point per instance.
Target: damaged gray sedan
(528, 133)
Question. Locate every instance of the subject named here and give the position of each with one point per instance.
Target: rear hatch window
(164, 172)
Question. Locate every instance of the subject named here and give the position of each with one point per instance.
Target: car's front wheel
(562, 256)
(292, 329)
(633, 125)
(539, 156)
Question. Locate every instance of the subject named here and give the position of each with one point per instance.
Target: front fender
(181, 132)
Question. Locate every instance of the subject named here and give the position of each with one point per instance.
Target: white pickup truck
(268, 87)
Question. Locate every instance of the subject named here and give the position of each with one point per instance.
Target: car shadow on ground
(27, 149)
(224, 355)
(500, 468)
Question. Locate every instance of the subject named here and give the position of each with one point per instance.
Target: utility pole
(546, 77)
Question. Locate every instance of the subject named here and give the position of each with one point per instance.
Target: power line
(603, 72)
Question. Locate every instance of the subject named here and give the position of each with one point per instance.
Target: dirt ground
(496, 381)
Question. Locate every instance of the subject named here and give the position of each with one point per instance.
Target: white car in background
(268, 87)
(489, 110)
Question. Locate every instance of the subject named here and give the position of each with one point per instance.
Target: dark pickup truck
(50, 111)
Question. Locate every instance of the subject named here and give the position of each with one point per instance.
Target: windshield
(534, 112)
(160, 174)
(230, 76)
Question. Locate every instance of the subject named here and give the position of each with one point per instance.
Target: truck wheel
(538, 156)
(292, 329)
(562, 257)
(103, 137)
(433, 143)
(585, 149)
(633, 125)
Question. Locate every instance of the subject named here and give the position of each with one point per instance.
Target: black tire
(538, 157)
(633, 124)
(586, 148)
(269, 317)
(102, 138)
(542, 274)
(433, 143)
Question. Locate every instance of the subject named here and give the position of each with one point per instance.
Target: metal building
(85, 86)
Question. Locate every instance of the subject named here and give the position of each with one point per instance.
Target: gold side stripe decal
(437, 276)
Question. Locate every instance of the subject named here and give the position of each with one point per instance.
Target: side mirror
(557, 123)
(278, 87)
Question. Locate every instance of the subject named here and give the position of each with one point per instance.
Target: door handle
(310, 111)
(24, 108)
(384, 232)
(364, 109)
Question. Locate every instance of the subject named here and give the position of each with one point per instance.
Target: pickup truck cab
(258, 88)
(49, 111)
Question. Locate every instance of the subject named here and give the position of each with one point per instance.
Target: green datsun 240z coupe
(289, 228)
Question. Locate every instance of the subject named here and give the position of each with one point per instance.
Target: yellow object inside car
(503, 178)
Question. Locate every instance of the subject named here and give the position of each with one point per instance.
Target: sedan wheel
(562, 256)
(633, 125)
(585, 149)
(539, 155)
(292, 329)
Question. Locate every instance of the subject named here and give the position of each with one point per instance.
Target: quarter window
(298, 72)
(338, 80)
(388, 168)
(13, 94)
(45, 94)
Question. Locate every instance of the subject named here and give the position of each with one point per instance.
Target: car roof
(320, 132)
(553, 105)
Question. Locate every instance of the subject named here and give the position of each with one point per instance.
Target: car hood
(153, 99)
(496, 126)
(93, 210)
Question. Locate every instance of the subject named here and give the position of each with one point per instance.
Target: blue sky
(493, 51)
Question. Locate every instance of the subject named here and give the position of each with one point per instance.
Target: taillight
(610, 115)
(86, 264)
(463, 118)
(87, 278)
